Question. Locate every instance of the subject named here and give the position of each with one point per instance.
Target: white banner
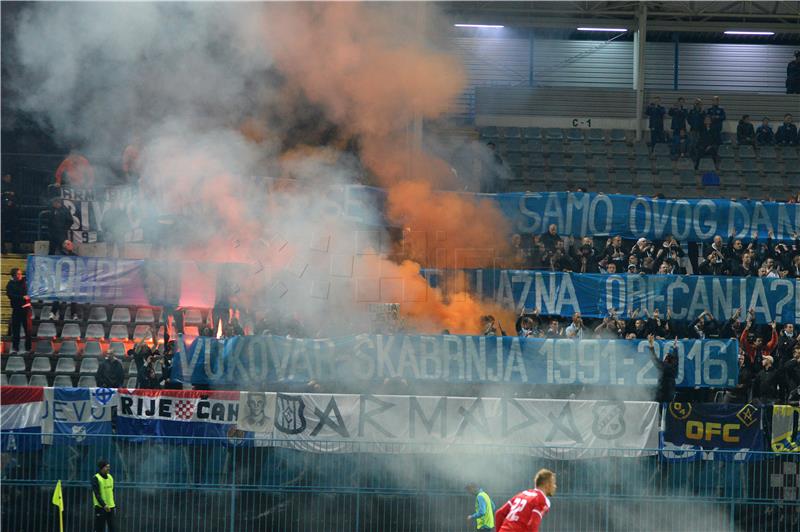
(539, 427)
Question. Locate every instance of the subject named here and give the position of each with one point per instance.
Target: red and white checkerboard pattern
(184, 410)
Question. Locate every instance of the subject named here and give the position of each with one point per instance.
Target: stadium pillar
(639, 62)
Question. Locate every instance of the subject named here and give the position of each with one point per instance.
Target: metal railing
(229, 485)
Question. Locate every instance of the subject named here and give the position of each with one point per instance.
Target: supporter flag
(785, 429)
(21, 418)
(181, 416)
(72, 414)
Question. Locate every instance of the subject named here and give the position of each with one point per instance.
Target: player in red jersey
(526, 509)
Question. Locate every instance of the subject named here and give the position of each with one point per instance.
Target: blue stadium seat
(118, 332)
(556, 160)
(511, 132)
(643, 163)
(618, 135)
(555, 134)
(43, 347)
(597, 148)
(661, 150)
(532, 133)
(641, 149)
(726, 151)
(595, 135)
(575, 135)
(619, 148)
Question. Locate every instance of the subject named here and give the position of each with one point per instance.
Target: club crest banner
(693, 431)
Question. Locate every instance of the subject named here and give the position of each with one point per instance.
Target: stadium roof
(780, 17)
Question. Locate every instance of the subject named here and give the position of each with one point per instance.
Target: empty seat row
(100, 314)
(40, 364)
(116, 331)
(72, 348)
(62, 381)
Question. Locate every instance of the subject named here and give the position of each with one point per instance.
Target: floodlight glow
(603, 29)
(490, 26)
(738, 32)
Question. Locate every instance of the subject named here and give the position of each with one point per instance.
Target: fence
(220, 484)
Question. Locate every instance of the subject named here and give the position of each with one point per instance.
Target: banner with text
(690, 220)
(693, 431)
(131, 282)
(594, 295)
(257, 361)
(539, 427)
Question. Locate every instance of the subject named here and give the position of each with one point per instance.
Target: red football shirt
(523, 512)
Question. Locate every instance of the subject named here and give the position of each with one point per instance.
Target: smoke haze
(324, 94)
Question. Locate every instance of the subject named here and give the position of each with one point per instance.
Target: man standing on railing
(484, 509)
(103, 498)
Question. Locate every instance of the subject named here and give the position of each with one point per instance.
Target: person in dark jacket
(707, 144)
(787, 133)
(745, 134)
(667, 371)
(694, 119)
(679, 115)
(655, 112)
(550, 238)
(787, 342)
(793, 75)
(17, 292)
(767, 382)
(764, 134)
(10, 214)
(110, 373)
(59, 221)
(718, 117)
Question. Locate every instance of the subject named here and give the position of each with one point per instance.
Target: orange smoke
(424, 308)
(369, 68)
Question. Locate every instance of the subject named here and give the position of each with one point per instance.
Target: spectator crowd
(741, 257)
(696, 133)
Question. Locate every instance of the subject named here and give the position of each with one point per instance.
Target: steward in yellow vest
(103, 498)
(484, 509)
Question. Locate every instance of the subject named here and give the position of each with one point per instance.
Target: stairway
(8, 261)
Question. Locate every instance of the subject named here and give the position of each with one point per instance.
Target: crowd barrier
(165, 485)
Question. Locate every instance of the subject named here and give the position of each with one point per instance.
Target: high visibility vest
(106, 490)
(487, 520)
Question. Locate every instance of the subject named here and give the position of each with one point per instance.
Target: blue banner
(257, 361)
(689, 220)
(693, 431)
(72, 414)
(103, 280)
(594, 295)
